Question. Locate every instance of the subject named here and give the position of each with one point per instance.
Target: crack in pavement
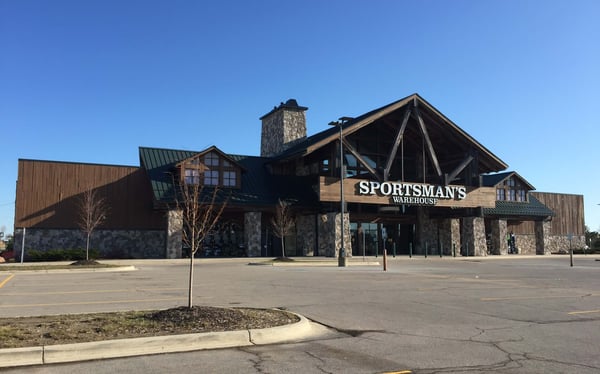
(256, 363)
(319, 359)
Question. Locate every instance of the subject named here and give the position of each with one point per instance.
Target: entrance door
(399, 238)
(365, 238)
(369, 239)
(406, 239)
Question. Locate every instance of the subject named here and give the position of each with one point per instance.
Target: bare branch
(92, 212)
(282, 222)
(200, 213)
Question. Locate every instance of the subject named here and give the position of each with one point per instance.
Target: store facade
(408, 180)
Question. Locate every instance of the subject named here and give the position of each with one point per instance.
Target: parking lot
(508, 315)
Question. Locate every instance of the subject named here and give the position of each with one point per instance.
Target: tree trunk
(283, 245)
(87, 247)
(191, 279)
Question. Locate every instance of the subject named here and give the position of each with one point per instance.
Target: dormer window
(511, 189)
(211, 169)
(211, 159)
(229, 178)
(211, 178)
(192, 176)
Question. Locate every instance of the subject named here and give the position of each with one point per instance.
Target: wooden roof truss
(428, 149)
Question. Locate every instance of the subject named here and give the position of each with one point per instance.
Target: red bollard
(384, 260)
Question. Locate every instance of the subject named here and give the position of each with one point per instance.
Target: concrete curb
(60, 353)
(313, 263)
(75, 270)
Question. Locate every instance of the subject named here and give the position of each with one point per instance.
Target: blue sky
(91, 81)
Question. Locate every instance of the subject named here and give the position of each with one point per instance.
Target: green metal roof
(258, 186)
(531, 208)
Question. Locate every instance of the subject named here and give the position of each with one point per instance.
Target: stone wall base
(110, 243)
(561, 243)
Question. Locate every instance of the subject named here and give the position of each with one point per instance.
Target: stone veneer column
(329, 234)
(426, 233)
(473, 236)
(499, 232)
(252, 233)
(542, 237)
(326, 233)
(174, 233)
(306, 235)
(449, 235)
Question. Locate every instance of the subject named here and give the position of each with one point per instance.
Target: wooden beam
(430, 149)
(394, 151)
(360, 159)
(458, 169)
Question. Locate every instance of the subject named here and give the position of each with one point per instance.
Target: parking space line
(584, 312)
(93, 291)
(6, 280)
(535, 297)
(93, 302)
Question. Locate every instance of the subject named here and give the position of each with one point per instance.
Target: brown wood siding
(569, 218)
(48, 194)
(521, 227)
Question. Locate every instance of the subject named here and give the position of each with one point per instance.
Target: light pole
(342, 259)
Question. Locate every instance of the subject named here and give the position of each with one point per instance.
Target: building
(413, 182)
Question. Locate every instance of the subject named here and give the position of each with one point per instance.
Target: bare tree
(282, 222)
(92, 212)
(200, 213)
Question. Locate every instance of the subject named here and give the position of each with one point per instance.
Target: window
(500, 194)
(512, 195)
(192, 176)
(522, 196)
(325, 166)
(210, 169)
(211, 159)
(211, 177)
(229, 178)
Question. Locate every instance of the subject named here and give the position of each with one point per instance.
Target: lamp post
(342, 259)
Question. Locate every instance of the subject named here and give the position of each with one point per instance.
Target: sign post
(23, 246)
(570, 236)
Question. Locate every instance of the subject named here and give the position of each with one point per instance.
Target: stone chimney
(282, 127)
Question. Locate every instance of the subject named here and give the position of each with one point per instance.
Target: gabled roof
(258, 186)
(208, 150)
(519, 209)
(319, 140)
(492, 180)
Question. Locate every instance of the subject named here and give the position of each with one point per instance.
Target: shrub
(59, 255)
